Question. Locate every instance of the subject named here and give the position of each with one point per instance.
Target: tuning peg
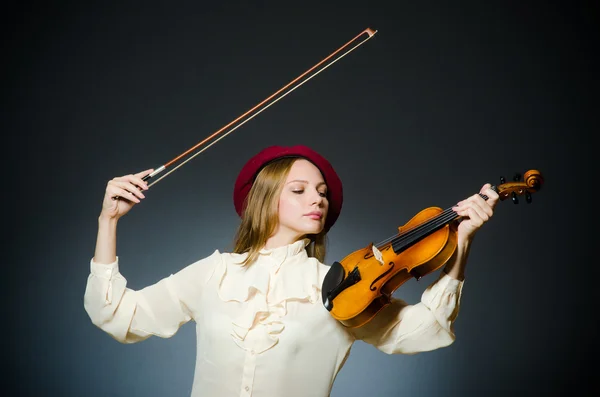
(502, 180)
(528, 197)
(517, 177)
(515, 199)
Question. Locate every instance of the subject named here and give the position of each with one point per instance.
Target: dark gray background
(445, 97)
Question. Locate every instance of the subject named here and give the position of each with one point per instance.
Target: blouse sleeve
(400, 328)
(131, 316)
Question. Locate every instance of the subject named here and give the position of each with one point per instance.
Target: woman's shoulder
(218, 257)
(204, 264)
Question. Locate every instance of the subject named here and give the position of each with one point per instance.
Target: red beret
(248, 173)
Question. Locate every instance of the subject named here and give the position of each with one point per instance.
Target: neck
(278, 240)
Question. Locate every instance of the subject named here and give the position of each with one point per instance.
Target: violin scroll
(531, 182)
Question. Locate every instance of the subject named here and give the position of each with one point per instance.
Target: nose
(317, 199)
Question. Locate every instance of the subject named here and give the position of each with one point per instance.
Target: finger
(482, 208)
(475, 217)
(118, 185)
(139, 178)
(493, 196)
(127, 195)
(112, 190)
(485, 187)
(474, 205)
(137, 182)
(115, 192)
(132, 187)
(487, 190)
(487, 204)
(144, 173)
(463, 204)
(134, 180)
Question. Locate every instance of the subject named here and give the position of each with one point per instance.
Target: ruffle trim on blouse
(278, 276)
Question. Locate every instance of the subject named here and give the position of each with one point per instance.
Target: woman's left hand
(475, 211)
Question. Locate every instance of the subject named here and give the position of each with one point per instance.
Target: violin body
(357, 288)
(380, 277)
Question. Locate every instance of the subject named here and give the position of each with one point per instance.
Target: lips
(317, 215)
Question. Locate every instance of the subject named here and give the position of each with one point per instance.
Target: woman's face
(303, 202)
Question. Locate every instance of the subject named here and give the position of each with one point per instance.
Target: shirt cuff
(102, 270)
(449, 284)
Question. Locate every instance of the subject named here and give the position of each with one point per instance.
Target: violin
(359, 286)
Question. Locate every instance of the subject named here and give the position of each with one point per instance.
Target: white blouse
(262, 330)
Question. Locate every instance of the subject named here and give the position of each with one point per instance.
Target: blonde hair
(261, 215)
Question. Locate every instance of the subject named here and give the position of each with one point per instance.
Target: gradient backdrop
(445, 97)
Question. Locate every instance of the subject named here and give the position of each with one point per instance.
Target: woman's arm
(475, 211)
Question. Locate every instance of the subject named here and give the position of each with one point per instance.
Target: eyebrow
(304, 181)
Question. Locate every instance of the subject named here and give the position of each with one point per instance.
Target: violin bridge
(377, 254)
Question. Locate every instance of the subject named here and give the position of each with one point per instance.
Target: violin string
(392, 238)
(444, 217)
(426, 228)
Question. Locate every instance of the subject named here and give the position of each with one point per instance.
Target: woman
(262, 328)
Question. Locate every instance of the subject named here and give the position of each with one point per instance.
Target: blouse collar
(287, 250)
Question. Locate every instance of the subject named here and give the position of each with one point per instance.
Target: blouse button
(247, 388)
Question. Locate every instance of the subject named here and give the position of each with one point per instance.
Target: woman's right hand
(122, 193)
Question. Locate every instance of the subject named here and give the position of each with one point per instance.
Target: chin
(314, 230)
(308, 229)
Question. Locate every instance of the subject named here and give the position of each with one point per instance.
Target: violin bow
(225, 130)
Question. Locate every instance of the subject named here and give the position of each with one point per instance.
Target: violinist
(262, 328)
